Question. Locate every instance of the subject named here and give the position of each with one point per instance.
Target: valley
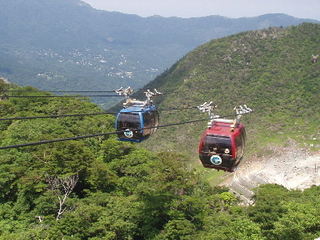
(83, 48)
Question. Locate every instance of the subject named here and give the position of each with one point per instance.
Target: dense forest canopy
(101, 188)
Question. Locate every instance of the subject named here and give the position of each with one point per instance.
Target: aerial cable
(176, 109)
(55, 116)
(80, 114)
(56, 140)
(119, 92)
(57, 91)
(92, 135)
(58, 96)
(100, 134)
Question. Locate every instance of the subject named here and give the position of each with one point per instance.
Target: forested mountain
(269, 70)
(99, 188)
(67, 44)
(272, 72)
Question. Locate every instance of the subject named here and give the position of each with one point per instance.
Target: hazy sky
(201, 8)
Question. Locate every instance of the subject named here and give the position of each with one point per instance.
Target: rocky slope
(292, 167)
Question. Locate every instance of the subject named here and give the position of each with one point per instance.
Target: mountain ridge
(77, 46)
(270, 70)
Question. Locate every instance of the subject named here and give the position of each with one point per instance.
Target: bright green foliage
(284, 214)
(119, 192)
(270, 70)
(223, 226)
(177, 230)
(244, 228)
(268, 209)
(227, 199)
(123, 191)
(300, 221)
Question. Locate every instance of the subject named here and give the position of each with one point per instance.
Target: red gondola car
(222, 145)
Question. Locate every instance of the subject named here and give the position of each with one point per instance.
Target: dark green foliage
(268, 209)
(283, 214)
(123, 191)
(126, 192)
(92, 188)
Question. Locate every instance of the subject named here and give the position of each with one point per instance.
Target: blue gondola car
(137, 123)
(137, 120)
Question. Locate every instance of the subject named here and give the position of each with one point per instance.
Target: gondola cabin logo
(216, 160)
(128, 134)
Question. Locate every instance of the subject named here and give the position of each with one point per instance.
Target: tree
(227, 200)
(268, 207)
(178, 229)
(301, 221)
(62, 188)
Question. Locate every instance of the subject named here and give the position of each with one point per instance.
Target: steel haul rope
(99, 134)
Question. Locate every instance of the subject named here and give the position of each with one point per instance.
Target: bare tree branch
(62, 188)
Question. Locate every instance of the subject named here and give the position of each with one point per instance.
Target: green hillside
(269, 70)
(100, 188)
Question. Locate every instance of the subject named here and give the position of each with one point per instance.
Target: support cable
(55, 116)
(57, 91)
(100, 134)
(83, 114)
(57, 96)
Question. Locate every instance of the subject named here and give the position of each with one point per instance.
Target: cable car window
(243, 133)
(128, 120)
(147, 117)
(152, 122)
(217, 144)
(240, 142)
(156, 118)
